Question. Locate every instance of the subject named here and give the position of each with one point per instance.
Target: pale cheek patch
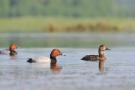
(102, 52)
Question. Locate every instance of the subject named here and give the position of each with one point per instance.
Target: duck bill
(62, 54)
(107, 49)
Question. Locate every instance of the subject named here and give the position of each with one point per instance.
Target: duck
(10, 51)
(52, 59)
(101, 56)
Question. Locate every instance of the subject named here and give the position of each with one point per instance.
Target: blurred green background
(67, 15)
(87, 22)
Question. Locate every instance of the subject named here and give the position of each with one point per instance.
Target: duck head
(102, 49)
(54, 54)
(12, 49)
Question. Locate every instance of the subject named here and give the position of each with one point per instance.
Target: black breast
(90, 58)
(13, 53)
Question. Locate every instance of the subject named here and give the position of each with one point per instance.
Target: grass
(42, 24)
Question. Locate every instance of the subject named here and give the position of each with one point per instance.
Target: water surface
(118, 72)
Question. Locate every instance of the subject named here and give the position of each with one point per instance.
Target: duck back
(90, 58)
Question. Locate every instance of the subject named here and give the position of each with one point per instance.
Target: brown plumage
(90, 58)
(101, 55)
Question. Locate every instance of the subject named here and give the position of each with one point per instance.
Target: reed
(41, 24)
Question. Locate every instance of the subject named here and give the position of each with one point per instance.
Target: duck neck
(53, 60)
(101, 53)
(12, 53)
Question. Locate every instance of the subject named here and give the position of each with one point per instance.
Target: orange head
(13, 46)
(55, 53)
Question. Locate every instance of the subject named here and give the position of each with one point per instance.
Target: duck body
(90, 58)
(40, 59)
(101, 55)
(52, 60)
(4, 52)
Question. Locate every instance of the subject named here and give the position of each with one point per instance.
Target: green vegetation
(67, 8)
(67, 15)
(32, 24)
(61, 8)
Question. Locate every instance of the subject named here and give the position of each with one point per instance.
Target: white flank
(42, 59)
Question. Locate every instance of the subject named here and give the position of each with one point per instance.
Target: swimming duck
(52, 60)
(12, 49)
(101, 55)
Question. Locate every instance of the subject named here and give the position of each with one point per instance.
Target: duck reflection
(55, 68)
(101, 65)
(13, 57)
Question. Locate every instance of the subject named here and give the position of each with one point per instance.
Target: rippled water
(118, 72)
